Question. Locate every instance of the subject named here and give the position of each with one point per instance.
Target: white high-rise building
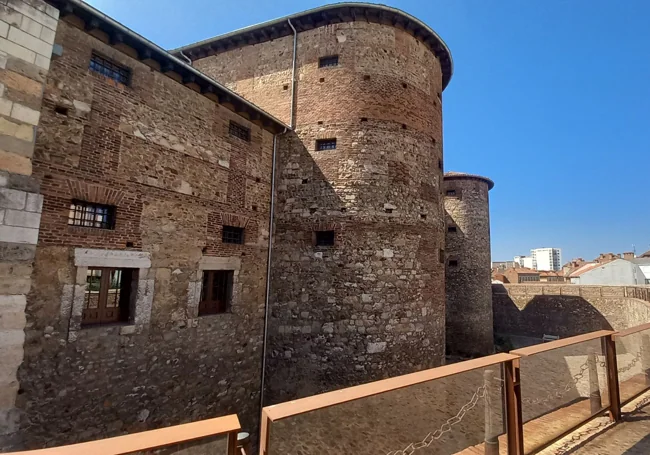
(547, 258)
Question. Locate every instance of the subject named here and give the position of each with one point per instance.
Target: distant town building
(644, 265)
(547, 258)
(609, 272)
(550, 276)
(503, 265)
(525, 261)
(521, 275)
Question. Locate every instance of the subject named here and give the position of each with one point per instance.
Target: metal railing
(217, 436)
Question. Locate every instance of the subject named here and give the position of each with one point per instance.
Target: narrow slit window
(453, 263)
(325, 144)
(216, 293)
(86, 214)
(240, 131)
(110, 69)
(451, 229)
(324, 238)
(330, 60)
(233, 234)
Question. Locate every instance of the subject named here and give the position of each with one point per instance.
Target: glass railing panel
(461, 413)
(560, 389)
(633, 364)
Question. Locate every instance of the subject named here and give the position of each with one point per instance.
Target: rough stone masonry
(135, 205)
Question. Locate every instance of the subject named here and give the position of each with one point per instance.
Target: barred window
(453, 263)
(451, 228)
(330, 60)
(240, 131)
(326, 144)
(232, 234)
(110, 69)
(324, 238)
(87, 214)
(451, 192)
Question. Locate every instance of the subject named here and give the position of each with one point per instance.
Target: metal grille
(232, 234)
(451, 192)
(324, 238)
(216, 292)
(107, 296)
(91, 215)
(326, 144)
(330, 60)
(453, 263)
(239, 131)
(110, 69)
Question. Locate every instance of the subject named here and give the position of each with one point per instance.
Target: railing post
(645, 358)
(232, 443)
(515, 426)
(612, 379)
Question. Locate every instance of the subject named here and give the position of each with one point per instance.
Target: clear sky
(549, 98)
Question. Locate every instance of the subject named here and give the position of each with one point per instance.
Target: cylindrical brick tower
(468, 282)
(357, 283)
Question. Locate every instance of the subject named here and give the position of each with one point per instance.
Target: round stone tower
(357, 271)
(468, 275)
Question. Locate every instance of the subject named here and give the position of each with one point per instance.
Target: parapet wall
(535, 310)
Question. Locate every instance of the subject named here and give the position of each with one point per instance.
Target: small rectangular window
(324, 238)
(330, 60)
(110, 69)
(239, 131)
(87, 214)
(451, 228)
(441, 255)
(107, 297)
(453, 263)
(451, 193)
(232, 234)
(216, 292)
(325, 144)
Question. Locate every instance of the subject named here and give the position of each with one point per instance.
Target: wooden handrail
(325, 400)
(147, 440)
(561, 343)
(632, 330)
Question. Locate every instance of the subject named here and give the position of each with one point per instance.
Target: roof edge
(267, 30)
(148, 50)
(461, 176)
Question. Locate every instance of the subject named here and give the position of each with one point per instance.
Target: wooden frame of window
(88, 214)
(107, 297)
(216, 292)
(109, 68)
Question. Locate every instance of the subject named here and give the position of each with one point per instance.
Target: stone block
(4, 29)
(20, 182)
(219, 263)
(31, 26)
(375, 348)
(51, 11)
(34, 203)
(2, 216)
(2, 90)
(13, 144)
(8, 393)
(15, 50)
(48, 35)
(128, 330)
(25, 114)
(22, 218)
(17, 252)
(12, 199)
(111, 258)
(20, 131)
(5, 106)
(11, 17)
(15, 234)
(9, 420)
(39, 16)
(43, 62)
(12, 312)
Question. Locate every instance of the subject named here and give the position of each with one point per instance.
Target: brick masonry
(361, 309)
(26, 32)
(161, 153)
(468, 281)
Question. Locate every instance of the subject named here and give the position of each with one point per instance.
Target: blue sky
(549, 98)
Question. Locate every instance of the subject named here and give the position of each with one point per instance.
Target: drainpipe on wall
(272, 214)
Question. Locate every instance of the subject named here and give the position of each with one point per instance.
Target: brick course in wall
(371, 305)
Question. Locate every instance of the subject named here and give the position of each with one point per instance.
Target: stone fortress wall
(160, 152)
(469, 294)
(372, 305)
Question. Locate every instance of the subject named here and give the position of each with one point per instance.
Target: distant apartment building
(609, 272)
(527, 262)
(503, 265)
(547, 258)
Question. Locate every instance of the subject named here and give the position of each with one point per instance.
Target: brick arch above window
(230, 219)
(325, 226)
(94, 193)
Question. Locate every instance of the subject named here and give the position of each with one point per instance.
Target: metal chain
(481, 393)
(570, 444)
(630, 365)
